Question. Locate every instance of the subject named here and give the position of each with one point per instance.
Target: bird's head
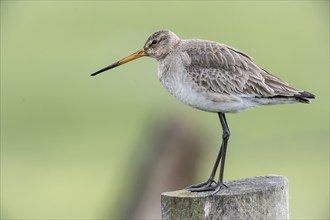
(158, 46)
(160, 43)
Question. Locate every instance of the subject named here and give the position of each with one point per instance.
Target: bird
(213, 77)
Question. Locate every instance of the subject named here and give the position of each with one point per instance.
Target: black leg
(225, 138)
(207, 186)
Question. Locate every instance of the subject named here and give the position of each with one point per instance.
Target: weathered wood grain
(251, 198)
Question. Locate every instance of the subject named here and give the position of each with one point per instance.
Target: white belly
(181, 86)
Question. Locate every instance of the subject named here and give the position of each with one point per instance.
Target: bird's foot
(207, 186)
(218, 188)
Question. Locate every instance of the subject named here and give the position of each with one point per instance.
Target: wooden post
(252, 198)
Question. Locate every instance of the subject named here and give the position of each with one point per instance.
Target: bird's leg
(204, 186)
(225, 138)
(207, 186)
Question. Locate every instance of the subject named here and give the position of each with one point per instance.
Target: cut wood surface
(251, 198)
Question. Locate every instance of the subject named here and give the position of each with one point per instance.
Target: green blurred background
(68, 140)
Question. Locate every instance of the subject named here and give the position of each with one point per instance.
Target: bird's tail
(304, 97)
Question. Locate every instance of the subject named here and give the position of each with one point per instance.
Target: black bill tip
(106, 68)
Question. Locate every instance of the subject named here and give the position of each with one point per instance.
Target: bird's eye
(154, 42)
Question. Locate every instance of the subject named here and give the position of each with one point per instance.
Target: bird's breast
(175, 78)
(179, 83)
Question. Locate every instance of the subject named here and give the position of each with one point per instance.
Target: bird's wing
(222, 69)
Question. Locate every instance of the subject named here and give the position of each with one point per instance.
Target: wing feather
(222, 69)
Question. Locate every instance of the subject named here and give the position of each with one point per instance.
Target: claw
(202, 189)
(207, 184)
(218, 188)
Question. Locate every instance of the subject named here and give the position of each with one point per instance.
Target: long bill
(138, 54)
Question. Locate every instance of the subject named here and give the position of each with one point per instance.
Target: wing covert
(222, 69)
